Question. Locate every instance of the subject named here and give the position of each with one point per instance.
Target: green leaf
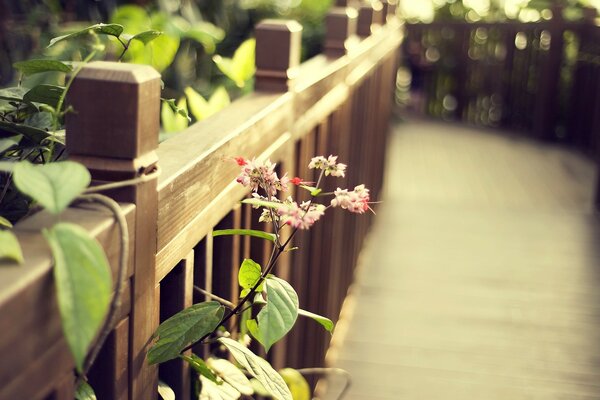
(146, 36)
(202, 109)
(84, 392)
(231, 374)
(102, 29)
(184, 328)
(258, 368)
(53, 185)
(5, 223)
(278, 316)
(325, 322)
(83, 285)
(13, 94)
(241, 67)
(46, 94)
(34, 134)
(174, 118)
(213, 391)
(9, 246)
(40, 120)
(271, 237)
(262, 203)
(296, 382)
(249, 274)
(200, 367)
(165, 392)
(207, 34)
(32, 67)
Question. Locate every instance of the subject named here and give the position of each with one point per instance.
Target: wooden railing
(336, 103)
(538, 78)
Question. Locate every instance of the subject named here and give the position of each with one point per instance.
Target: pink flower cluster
(301, 216)
(329, 164)
(355, 201)
(261, 175)
(256, 175)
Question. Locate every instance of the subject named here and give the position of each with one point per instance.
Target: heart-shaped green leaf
(296, 382)
(46, 94)
(34, 134)
(53, 185)
(200, 367)
(184, 328)
(102, 29)
(31, 67)
(249, 273)
(9, 247)
(278, 316)
(146, 36)
(258, 368)
(83, 285)
(165, 391)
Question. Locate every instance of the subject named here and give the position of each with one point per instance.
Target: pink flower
(301, 216)
(255, 175)
(297, 181)
(355, 201)
(241, 161)
(329, 164)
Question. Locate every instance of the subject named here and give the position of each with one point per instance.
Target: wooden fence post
(340, 27)
(278, 46)
(114, 132)
(389, 9)
(370, 18)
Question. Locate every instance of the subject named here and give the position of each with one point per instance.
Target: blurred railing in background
(541, 79)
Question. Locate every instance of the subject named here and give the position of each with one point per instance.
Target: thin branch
(115, 304)
(130, 182)
(214, 297)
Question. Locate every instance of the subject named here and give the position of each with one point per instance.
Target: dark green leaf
(53, 185)
(13, 94)
(40, 120)
(36, 135)
(200, 367)
(31, 67)
(47, 94)
(325, 322)
(83, 285)
(231, 374)
(9, 245)
(258, 368)
(271, 237)
(184, 328)
(249, 273)
(278, 316)
(103, 29)
(84, 392)
(146, 37)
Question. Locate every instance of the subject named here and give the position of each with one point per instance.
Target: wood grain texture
(481, 276)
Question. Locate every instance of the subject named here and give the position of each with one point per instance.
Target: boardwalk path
(482, 277)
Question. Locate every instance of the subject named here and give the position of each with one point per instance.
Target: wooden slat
(176, 291)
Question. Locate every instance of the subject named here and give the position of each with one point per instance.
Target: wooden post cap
(116, 111)
(347, 3)
(340, 26)
(370, 17)
(278, 46)
(590, 14)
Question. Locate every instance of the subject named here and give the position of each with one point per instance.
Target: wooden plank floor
(481, 279)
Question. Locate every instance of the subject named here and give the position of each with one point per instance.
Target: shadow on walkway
(481, 279)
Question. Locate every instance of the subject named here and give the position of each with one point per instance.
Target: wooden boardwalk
(481, 279)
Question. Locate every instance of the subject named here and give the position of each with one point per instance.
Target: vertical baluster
(114, 132)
